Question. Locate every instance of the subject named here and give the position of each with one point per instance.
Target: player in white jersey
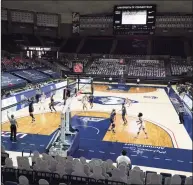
(84, 102)
(42, 101)
(141, 124)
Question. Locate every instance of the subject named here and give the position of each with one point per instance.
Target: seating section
(17, 63)
(71, 45)
(180, 68)
(168, 46)
(68, 171)
(106, 67)
(97, 45)
(131, 57)
(146, 68)
(132, 47)
(135, 68)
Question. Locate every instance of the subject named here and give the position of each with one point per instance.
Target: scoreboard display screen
(134, 19)
(78, 67)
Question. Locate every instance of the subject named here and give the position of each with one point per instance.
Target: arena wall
(65, 8)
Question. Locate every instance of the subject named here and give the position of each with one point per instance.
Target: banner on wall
(49, 72)
(32, 76)
(48, 90)
(75, 23)
(9, 81)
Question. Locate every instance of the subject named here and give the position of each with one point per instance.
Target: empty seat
(176, 180)
(23, 180)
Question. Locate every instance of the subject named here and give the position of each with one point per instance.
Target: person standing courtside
(181, 114)
(169, 87)
(13, 126)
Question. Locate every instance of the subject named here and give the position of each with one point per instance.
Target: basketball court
(169, 144)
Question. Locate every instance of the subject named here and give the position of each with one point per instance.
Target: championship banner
(75, 23)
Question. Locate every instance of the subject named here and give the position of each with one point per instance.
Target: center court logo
(110, 100)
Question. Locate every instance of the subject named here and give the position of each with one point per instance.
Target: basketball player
(123, 114)
(91, 98)
(38, 94)
(51, 104)
(141, 125)
(84, 102)
(31, 109)
(112, 120)
(42, 101)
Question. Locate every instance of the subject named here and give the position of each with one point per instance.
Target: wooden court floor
(126, 133)
(47, 123)
(104, 88)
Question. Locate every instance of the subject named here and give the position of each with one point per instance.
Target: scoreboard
(78, 67)
(134, 19)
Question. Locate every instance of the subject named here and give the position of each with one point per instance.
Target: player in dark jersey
(51, 105)
(112, 120)
(91, 98)
(124, 112)
(31, 108)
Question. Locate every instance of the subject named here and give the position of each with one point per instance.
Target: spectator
(169, 87)
(181, 114)
(124, 158)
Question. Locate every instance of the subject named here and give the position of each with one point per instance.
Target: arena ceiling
(65, 8)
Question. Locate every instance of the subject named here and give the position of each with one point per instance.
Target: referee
(13, 127)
